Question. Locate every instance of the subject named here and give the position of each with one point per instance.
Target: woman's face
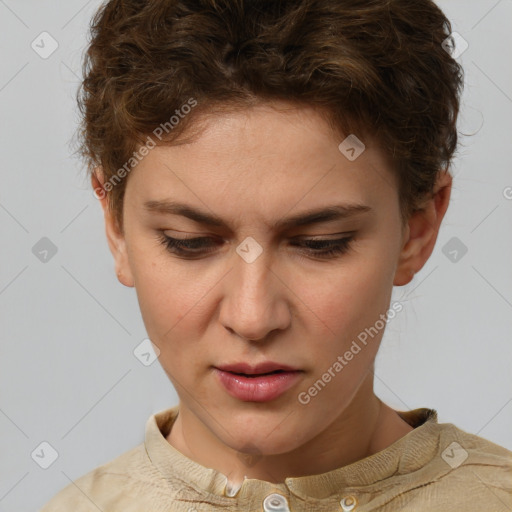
(253, 289)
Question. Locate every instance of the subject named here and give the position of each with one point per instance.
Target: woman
(268, 171)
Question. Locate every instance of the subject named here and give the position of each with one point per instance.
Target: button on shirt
(435, 468)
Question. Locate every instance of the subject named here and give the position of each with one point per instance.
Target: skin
(253, 168)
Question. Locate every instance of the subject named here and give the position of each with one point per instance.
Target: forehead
(264, 160)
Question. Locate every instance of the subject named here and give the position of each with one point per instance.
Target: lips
(265, 368)
(261, 383)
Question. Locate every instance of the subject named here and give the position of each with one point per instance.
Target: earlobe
(125, 279)
(115, 238)
(403, 276)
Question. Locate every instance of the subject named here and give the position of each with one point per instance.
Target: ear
(115, 237)
(421, 232)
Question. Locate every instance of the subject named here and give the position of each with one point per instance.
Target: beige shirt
(435, 467)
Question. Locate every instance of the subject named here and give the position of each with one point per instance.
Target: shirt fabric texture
(435, 468)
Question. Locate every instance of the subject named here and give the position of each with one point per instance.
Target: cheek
(160, 293)
(172, 301)
(348, 299)
(350, 304)
(167, 318)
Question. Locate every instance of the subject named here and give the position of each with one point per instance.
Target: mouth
(264, 368)
(254, 375)
(261, 383)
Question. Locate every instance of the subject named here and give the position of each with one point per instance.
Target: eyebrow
(308, 217)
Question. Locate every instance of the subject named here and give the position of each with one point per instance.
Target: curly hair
(375, 67)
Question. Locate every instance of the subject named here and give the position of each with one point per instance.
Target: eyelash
(330, 248)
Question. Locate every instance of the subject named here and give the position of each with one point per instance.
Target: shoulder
(119, 484)
(471, 471)
(463, 449)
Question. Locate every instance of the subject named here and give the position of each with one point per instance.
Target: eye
(188, 247)
(196, 247)
(326, 248)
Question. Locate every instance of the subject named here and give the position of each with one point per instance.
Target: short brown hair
(375, 67)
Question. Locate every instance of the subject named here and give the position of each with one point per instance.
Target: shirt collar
(405, 455)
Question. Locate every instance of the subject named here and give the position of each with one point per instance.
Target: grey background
(68, 374)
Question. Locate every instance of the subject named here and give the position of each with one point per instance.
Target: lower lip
(258, 389)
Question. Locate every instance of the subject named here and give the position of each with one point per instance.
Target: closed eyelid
(318, 248)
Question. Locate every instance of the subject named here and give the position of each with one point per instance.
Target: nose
(255, 300)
